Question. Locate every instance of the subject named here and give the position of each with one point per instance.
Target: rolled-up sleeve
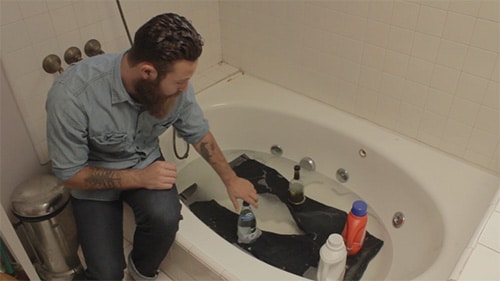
(66, 133)
(191, 124)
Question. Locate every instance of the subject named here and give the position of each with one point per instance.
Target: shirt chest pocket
(109, 142)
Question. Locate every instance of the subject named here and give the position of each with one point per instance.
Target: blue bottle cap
(359, 208)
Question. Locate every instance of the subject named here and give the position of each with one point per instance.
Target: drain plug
(398, 219)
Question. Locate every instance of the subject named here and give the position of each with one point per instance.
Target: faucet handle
(52, 64)
(72, 55)
(93, 48)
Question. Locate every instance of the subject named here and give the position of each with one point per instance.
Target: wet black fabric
(293, 253)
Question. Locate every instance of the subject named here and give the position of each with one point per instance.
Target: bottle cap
(335, 241)
(359, 208)
(245, 203)
(296, 167)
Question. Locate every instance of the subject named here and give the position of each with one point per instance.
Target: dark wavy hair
(165, 39)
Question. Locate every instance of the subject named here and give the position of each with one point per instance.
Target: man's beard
(156, 103)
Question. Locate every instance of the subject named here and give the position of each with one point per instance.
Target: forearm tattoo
(206, 149)
(103, 178)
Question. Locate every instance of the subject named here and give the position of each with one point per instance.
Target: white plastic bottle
(333, 256)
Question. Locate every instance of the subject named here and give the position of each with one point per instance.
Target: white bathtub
(443, 199)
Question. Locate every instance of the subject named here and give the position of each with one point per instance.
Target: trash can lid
(39, 196)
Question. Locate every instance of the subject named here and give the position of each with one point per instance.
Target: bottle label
(247, 238)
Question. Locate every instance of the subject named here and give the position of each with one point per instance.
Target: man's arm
(158, 175)
(237, 187)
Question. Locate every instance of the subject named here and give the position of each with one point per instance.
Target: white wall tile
(365, 99)
(495, 76)
(396, 63)
(431, 128)
(489, 10)
(392, 86)
(377, 33)
(471, 87)
(405, 14)
(354, 27)
(420, 70)
(466, 7)
(431, 20)
(63, 19)
(86, 12)
(486, 35)
(457, 133)
(40, 27)
(351, 49)
(10, 12)
(401, 40)
(409, 119)
(438, 102)
(481, 142)
(20, 62)
(488, 120)
(491, 97)
(388, 110)
(414, 93)
(444, 78)
(370, 78)
(381, 11)
(373, 56)
(425, 46)
(451, 54)
(480, 62)
(439, 4)
(458, 27)
(464, 111)
(31, 8)
(14, 36)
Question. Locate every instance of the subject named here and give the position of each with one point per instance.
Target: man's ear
(148, 71)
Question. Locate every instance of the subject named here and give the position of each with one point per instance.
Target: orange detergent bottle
(355, 227)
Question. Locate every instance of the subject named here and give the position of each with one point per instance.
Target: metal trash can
(43, 207)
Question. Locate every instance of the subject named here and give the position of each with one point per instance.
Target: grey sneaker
(134, 273)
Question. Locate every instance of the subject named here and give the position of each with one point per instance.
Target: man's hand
(159, 175)
(240, 188)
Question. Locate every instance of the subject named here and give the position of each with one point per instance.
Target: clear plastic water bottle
(355, 227)
(333, 257)
(247, 225)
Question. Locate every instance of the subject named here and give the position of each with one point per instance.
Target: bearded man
(104, 118)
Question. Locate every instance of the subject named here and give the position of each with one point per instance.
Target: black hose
(124, 21)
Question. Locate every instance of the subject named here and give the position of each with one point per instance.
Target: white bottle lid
(335, 241)
(334, 249)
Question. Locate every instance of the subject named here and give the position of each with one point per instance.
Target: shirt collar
(118, 92)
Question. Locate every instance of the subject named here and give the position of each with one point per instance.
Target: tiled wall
(427, 69)
(33, 29)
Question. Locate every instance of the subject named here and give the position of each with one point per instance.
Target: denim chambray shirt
(93, 121)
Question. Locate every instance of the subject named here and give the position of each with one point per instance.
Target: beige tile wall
(426, 69)
(33, 29)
